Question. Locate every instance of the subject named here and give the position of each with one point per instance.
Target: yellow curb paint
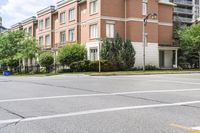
(186, 128)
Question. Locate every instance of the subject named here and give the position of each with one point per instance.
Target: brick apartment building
(89, 21)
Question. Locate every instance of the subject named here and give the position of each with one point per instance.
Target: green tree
(120, 53)
(15, 45)
(46, 59)
(29, 48)
(71, 53)
(112, 51)
(128, 54)
(11, 43)
(190, 40)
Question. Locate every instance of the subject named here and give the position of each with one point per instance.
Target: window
(30, 30)
(41, 41)
(47, 39)
(71, 14)
(41, 25)
(62, 17)
(93, 54)
(110, 30)
(93, 31)
(93, 6)
(62, 37)
(144, 7)
(47, 22)
(71, 35)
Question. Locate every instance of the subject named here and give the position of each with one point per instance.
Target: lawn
(138, 72)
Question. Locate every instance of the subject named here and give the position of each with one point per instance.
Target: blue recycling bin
(6, 73)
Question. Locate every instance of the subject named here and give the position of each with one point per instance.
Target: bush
(71, 53)
(46, 60)
(151, 67)
(92, 66)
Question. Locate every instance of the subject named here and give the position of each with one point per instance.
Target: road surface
(89, 104)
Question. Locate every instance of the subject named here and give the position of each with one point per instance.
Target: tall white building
(186, 11)
(1, 26)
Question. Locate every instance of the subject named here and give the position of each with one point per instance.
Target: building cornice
(166, 3)
(47, 10)
(29, 20)
(18, 25)
(64, 3)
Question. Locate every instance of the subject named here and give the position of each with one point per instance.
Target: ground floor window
(93, 54)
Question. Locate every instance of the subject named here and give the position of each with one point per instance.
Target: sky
(14, 11)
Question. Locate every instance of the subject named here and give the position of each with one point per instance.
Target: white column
(176, 58)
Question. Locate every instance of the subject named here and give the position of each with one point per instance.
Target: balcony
(183, 19)
(183, 11)
(183, 2)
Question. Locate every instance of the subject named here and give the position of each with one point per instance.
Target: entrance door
(162, 59)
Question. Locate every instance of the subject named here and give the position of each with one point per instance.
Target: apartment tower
(1, 26)
(186, 11)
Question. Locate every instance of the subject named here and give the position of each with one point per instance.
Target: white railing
(182, 10)
(183, 2)
(183, 19)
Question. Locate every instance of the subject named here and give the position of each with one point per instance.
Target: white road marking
(97, 94)
(88, 112)
(196, 128)
(154, 80)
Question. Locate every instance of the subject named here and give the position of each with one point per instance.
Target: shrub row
(92, 66)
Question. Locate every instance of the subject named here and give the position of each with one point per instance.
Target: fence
(34, 69)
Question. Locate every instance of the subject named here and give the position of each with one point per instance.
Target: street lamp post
(145, 21)
(99, 53)
(54, 50)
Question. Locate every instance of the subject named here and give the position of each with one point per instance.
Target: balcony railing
(181, 10)
(185, 2)
(183, 19)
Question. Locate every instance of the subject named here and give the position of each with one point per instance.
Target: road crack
(13, 113)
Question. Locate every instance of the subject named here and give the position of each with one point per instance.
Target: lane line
(156, 80)
(97, 111)
(97, 94)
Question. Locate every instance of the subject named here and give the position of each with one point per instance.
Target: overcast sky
(14, 11)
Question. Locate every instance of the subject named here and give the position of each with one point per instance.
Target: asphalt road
(88, 104)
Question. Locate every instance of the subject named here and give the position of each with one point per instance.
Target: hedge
(92, 66)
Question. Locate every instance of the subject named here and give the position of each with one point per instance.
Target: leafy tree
(46, 59)
(15, 45)
(71, 53)
(11, 43)
(190, 40)
(29, 47)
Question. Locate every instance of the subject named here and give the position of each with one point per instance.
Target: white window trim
(49, 23)
(41, 43)
(144, 7)
(41, 24)
(93, 48)
(60, 37)
(64, 17)
(110, 34)
(70, 34)
(96, 31)
(72, 9)
(47, 44)
(90, 10)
